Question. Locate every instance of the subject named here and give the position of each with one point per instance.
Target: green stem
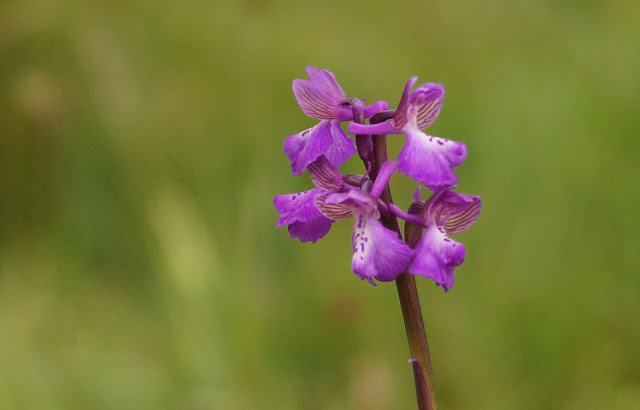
(412, 315)
(406, 284)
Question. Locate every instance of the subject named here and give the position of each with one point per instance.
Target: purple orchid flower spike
(436, 255)
(378, 253)
(323, 99)
(298, 211)
(427, 159)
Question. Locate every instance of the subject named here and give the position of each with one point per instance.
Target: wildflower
(322, 98)
(378, 253)
(427, 159)
(446, 212)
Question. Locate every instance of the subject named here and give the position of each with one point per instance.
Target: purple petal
(400, 117)
(305, 147)
(411, 218)
(312, 102)
(319, 98)
(425, 104)
(326, 82)
(381, 128)
(341, 205)
(430, 160)
(377, 251)
(384, 175)
(335, 211)
(354, 198)
(298, 211)
(451, 210)
(436, 255)
(461, 210)
(324, 175)
(342, 147)
(310, 231)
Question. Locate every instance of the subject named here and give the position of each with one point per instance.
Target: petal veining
(312, 102)
(326, 83)
(400, 118)
(425, 104)
(324, 175)
(462, 215)
(321, 97)
(331, 209)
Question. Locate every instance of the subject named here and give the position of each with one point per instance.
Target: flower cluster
(378, 252)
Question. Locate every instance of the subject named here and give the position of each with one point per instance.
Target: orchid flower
(323, 99)
(427, 159)
(378, 253)
(446, 212)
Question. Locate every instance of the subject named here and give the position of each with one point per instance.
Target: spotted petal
(305, 147)
(378, 253)
(310, 231)
(299, 213)
(430, 160)
(436, 255)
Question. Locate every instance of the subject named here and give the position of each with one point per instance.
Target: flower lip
(436, 255)
(298, 212)
(430, 160)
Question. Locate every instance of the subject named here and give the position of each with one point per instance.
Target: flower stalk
(406, 284)
(416, 335)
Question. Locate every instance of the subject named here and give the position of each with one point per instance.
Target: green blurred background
(141, 146)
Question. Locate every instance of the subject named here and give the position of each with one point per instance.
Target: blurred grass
(141, 145)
